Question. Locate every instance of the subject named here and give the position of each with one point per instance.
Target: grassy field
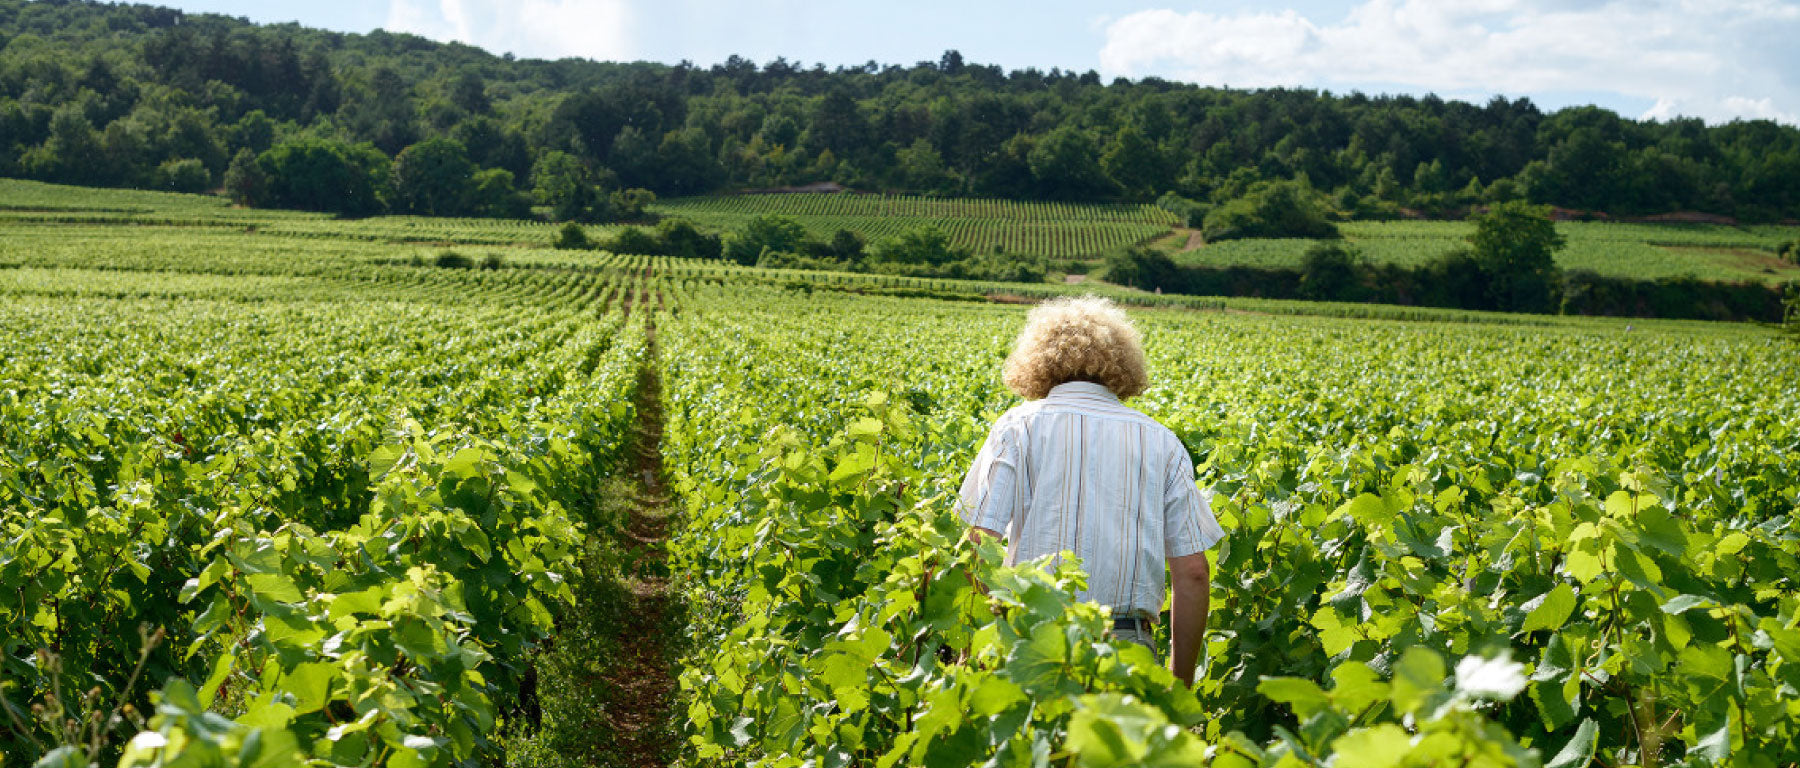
(1646, 251)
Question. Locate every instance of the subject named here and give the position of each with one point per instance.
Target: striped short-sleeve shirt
(1080, 472)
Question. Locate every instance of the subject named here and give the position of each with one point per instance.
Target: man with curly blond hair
(1076, 470)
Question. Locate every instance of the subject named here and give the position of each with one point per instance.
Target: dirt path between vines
(643, 677)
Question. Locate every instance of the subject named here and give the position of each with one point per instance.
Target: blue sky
(1715, 59)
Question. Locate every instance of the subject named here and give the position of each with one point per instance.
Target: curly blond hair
(1076, 339)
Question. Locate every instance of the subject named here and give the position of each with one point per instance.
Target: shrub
(671, 237)
(322, 175)
(923, 245)
(847, 246)
(680, 239)
(1791, 310)
(788, 260)
(495, 197)
(1453, 279)
(1331, 272)
(999, 268)
(764, 233)
(1270, 209)
(1192, 212)
(493, 261)
(633, 240)
(991, 266)
(1146, 268)
(183, 175)
(631, 204)
(572, 237)
(245, 181)
(452, 260)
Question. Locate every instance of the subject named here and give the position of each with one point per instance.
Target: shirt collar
(1081, 388)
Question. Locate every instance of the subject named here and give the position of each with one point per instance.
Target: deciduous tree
(1515, 244)
(435, 178)
(323, 175)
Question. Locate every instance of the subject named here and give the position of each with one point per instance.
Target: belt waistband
(1131, 622)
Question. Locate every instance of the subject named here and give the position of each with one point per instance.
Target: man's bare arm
(1192, 578)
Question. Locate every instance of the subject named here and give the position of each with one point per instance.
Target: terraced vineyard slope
(1052, 230)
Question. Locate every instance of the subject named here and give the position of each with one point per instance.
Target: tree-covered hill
(284, 115)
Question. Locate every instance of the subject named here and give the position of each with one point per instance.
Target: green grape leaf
(1355, 686)
(311, 685)
(1714, 731)
(1639, 569)
(1657, 528)
(1583, 565)
(1580, 749)
(1100, 742)
(1550, 610)
(366, 601)
(383, 459)
(1418, 677)
(994, 695)
(275, 587)
(267, 712)
(1303, 695)
(1334, 634)
(221, 667)
(1684, 603)
(1364, 509)
(1706, 660)
(1379, 746)
(1554, 706)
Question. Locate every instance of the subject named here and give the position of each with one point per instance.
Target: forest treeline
(288, 116)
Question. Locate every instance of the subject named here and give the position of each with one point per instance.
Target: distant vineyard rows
(1055, 230)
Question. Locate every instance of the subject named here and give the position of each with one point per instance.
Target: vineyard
(1039, 229)
(24, 203)
(274, 496)
(1612, 578)
(1053, 230)
(1638, 251)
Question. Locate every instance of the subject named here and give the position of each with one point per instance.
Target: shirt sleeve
(990, 491)
(1188, 522)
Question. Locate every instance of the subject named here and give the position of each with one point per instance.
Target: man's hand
(1192, 578)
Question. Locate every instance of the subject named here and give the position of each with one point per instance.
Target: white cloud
(1754, 108)
(1715, 59)
(548, 29)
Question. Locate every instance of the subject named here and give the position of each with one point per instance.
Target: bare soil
(642, 677)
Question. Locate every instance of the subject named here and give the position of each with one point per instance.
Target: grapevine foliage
(347, 489)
